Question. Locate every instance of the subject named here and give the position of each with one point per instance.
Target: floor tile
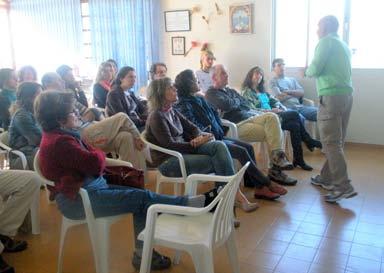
(324, 257)
(289, 265)
(367, 252)
(262, 259)
(272, 246)
(299, 252)
(325, 268)
(306, 240)
(359, 265)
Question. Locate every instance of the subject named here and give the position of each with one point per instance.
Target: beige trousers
(115, 134)
(265, 127)
(17, 190)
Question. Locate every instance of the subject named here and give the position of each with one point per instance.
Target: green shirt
(331, 66)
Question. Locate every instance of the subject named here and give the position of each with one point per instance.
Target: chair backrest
(4, 144)
(36, 165)
(223, 215)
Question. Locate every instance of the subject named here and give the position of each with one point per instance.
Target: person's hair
(25, 95)
(331, 24)
(120, 75)
(48, 79)
(5, 75)
(101, 69)
(156, 93)
(24, 70)
(51, 108)
(248, 79)
(203, 53)
(152, 70)
(277, 61)
(63, 70)
(112, 61)
(184, 82)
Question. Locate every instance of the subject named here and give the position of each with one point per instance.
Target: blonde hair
(205, 52)
(102, 66)
(156, 93)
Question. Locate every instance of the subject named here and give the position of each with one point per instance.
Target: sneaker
(318, 181)
(159, 262)
(278, 176)
(277, 188)
(280, 160)
(4, 267)
(337, 195)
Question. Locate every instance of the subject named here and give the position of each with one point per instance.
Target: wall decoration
(218, 9)
(240, 18)
(177, 20)
(193, 45)
(178, 45)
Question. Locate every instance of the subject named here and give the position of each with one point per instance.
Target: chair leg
(232, 253)
(103, 246)
(146, 257)
(93, 234)
(63, 233)
(158, 182)
(35, 213)
(203, 260)
(177, 189)
(176, 259)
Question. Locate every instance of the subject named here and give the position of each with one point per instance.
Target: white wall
(240, 52)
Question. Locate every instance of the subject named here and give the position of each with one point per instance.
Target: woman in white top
(204, 74)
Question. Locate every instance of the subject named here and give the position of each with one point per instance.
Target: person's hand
(276, 110)
(201, 139)
(139, 144)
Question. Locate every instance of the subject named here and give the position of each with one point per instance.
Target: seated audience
(198, 111)
(204, 74)
(251, 125)
(8, 84)
(66, 73)
(103, 84)
(71, 163)
(27, 74)
(259, 99)
(158, 71)
(167, 128)
(24, 132)
(115, 67)
(123, 99)
(116, 134)
(17, 192)
(289, 91)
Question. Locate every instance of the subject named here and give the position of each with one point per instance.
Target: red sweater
(64, 161)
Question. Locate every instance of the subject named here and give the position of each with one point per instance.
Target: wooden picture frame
(241, 19)
(178, 45)
(177, 20)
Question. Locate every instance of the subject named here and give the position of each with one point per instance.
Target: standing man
(331, 66)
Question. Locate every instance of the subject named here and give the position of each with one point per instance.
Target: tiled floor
(300, 233)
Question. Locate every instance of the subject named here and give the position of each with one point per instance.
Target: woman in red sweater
(71, 164)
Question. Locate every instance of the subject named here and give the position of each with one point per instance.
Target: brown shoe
(265, 193)
(277, 188)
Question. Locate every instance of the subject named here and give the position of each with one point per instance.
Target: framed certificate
(177, 20)
(178, 45)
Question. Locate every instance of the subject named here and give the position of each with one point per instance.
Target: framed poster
(178, 45)
(177, 20)
(240, 18)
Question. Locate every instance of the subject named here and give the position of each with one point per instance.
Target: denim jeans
(309, 112)
(114, 200)
(211, 157)
(243, 152)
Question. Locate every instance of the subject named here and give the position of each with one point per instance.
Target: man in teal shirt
(331, 66)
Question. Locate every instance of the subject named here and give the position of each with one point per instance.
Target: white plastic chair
(261, 148)
(160, 178)
(194, 230)
(98, 227)
(35, 205)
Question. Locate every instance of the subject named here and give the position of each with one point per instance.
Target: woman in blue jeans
(71, 163)
(167, 128)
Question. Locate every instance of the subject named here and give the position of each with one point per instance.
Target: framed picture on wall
(178, 45)
(241, 18)
(177, 20)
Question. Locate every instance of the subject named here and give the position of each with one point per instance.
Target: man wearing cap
(289, 91)
(331, 66)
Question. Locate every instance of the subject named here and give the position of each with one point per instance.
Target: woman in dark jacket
(167, 128)
(122, 98)
(103, 84)
(197, 110)
(254, 92)
(71, 163)
(24, 132)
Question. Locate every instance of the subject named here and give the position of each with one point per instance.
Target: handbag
(124, 176)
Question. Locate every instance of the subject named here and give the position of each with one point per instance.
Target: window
(295, 31)
(5, 45)
(87, 67)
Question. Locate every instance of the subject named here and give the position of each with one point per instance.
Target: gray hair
(156, 93)
(330, 23)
